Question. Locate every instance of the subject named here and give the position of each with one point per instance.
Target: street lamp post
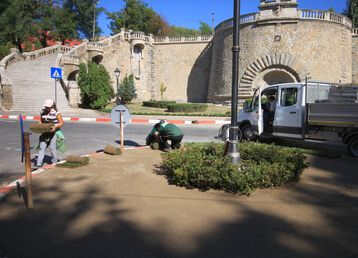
(117, 73)
(232, 143)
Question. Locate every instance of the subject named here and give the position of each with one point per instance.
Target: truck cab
(276, 110)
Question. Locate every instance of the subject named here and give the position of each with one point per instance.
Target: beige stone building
(279, 43)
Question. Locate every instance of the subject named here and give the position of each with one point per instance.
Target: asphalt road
(82, 138)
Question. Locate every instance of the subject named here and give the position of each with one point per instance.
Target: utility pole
(212, 21)
(94, 19)
(232, 143)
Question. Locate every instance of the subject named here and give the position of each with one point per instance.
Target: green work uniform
(170, 130)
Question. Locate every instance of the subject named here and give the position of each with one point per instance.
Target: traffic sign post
(121, 117)
(56, 73)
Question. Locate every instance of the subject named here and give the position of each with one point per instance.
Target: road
(82, 138)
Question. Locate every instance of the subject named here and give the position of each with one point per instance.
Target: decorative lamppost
(117, 73)
(232, 144)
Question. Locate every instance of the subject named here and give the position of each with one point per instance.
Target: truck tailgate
(333, 114)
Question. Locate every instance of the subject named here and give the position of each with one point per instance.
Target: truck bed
(333, 114)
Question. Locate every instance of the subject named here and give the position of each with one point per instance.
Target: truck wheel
(247, 133)
(353, 146)
(224, 132)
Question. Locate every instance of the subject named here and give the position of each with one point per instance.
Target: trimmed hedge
(158, 104)
(186, 107)
(204, 166)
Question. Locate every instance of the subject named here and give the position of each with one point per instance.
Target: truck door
(288, 114)
(257, 118)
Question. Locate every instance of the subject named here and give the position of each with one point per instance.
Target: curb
(5, 190)
(133, 121)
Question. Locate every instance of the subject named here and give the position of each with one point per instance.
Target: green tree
(127, 90)
(65, 25)
(137, 16)
(83, 12)
(352, 11)
(94, 82)
(205, 28)
(16, 21)
(182, 31)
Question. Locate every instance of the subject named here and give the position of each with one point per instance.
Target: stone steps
(32, 85)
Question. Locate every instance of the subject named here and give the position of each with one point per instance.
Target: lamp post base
(232, 151)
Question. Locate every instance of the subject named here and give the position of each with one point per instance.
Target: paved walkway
(119, 207)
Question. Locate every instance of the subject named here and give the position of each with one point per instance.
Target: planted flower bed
(204, 166)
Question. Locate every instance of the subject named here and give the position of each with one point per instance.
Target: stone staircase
(31, 85)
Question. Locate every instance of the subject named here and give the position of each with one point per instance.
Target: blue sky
(189, 13)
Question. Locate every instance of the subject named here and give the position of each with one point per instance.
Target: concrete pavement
(121, 207)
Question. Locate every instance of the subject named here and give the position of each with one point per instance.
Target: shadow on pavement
(55, 228)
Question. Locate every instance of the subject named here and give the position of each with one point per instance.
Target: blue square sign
(56, 73)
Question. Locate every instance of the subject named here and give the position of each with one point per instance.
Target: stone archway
(268, 70)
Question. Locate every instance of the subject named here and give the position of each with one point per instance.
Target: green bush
(187, 107)
(158, 104)
(96, 89)
(204, 166)
(127, 90)
(4, 51)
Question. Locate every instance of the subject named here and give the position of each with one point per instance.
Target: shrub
(96, 89)
(157, 104)
(4, 51)
(186, 107)
(204, 166)
(127, 90)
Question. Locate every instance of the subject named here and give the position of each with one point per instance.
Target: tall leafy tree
(137, 16)
(205, 28)
(352, 11)
(16, 21)
(95, 84)
(84, 11)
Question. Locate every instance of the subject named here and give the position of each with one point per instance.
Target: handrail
(46, 51)
(8, 60)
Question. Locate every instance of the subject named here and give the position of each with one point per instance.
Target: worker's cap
(48, 103)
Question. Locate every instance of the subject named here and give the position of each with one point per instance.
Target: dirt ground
(119, 207)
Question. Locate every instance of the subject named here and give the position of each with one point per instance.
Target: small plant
(162, 89)
(127, 90)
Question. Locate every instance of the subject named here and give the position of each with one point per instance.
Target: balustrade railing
(324, 15)
(179, 39)
(8, 60)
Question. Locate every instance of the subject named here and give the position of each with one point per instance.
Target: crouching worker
(161, 133)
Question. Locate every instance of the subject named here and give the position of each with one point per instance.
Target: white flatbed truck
(303, 111)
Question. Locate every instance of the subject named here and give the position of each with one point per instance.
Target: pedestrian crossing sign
(56, 73)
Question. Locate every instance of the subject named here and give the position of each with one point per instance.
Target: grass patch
(74, 162)
(204, 166)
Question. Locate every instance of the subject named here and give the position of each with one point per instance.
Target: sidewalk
(119, 207)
